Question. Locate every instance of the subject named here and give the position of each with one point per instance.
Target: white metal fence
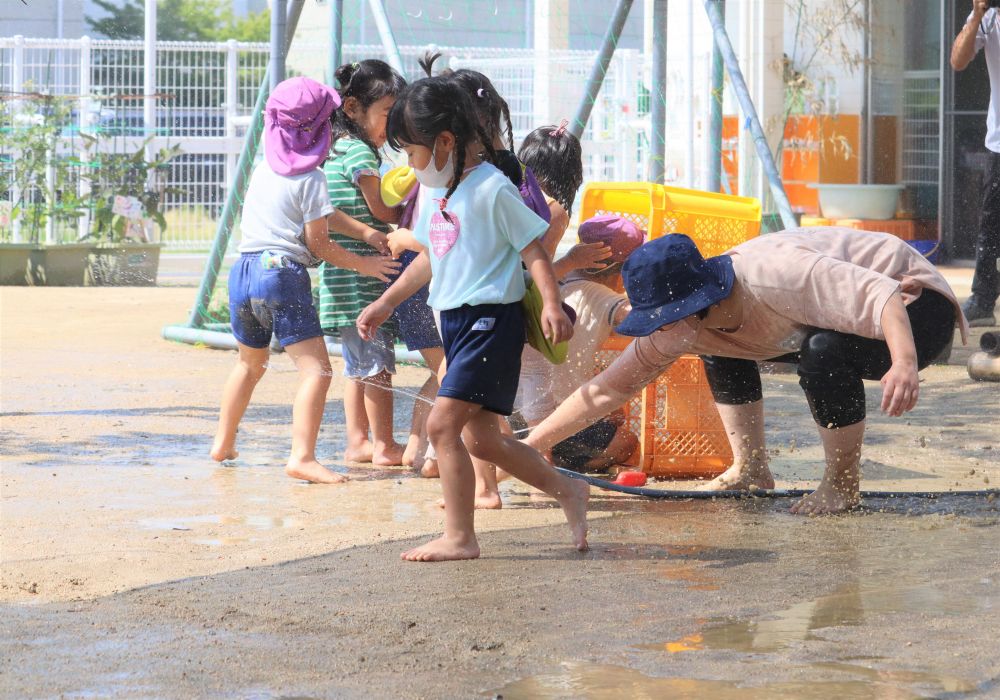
(205, 96)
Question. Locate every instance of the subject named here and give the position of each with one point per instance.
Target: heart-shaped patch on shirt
(443, 232)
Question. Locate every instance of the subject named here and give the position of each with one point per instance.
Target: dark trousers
(832, 365)
(986, 282)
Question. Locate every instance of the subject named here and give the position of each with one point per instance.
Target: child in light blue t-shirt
(476, 233)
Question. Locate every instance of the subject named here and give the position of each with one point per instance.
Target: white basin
(858, 201)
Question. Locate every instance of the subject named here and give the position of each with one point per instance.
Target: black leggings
(831, 365)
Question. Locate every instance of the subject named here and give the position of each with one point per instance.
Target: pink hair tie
(561, 129)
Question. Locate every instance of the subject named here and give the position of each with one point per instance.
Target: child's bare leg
(444, 427)
(313, 362)
(526, 464)
(487, 491)
(841, 485)
(386, 452)
(358, 449)
(416, 446)
(249, 368)
(744, 424)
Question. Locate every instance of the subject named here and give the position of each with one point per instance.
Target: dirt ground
(133, 566)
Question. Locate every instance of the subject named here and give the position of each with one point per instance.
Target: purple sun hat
(297, 129)
(616, 232)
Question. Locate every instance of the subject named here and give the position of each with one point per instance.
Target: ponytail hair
(429, 107)
(556, 158)
(492, 109)
(367, 82)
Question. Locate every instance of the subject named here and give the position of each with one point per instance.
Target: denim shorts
(271, 294)
(414, 317)
(367, 358)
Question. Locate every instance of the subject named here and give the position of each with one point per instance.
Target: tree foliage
(181, 20)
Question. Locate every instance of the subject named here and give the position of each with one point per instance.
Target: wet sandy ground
(132, 566)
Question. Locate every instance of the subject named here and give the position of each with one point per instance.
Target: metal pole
(149, 76)
(658, 95)
(17, 86)
(600, 67)
(689, 138)
(83, 185)
(385, 33)
(715, 117)
(276, 69)
(746, 103)
(238, 187)
(336, 38)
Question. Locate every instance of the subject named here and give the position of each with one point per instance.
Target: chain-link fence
(205, 96)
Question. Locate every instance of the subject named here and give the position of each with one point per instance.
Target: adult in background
(845, 305)
(982, 33)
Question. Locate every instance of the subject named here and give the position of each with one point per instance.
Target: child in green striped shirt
(368, 89)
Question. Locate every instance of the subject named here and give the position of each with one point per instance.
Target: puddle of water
(845, 608)
(256, 522)
(223, 541)
(604, 682)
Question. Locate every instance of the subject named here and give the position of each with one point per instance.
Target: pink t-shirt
(790, 282)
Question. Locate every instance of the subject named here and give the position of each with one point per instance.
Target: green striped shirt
(344, 293)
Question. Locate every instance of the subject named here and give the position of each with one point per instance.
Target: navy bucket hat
(667, 280)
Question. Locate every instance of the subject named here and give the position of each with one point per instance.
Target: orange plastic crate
(680, 432)
(681, 435)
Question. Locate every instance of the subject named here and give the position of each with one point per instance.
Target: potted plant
(38, 193)
(127, 192)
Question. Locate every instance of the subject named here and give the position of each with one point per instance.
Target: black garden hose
(673, 494)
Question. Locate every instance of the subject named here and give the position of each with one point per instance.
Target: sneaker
(978, 315)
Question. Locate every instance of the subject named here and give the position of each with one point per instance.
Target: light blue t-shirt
(479, 261)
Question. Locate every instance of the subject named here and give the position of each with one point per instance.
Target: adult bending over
(845, 305)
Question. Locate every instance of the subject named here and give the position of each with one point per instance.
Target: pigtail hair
(505, 109)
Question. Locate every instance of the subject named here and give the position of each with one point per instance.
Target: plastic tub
(858, 201)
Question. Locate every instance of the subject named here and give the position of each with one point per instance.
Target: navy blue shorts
(270, 294)
(414, 317)
(482, 345)
(575, 451)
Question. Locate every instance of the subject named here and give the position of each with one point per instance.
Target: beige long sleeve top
(790, 282)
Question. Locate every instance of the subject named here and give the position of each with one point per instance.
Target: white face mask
(431, 176)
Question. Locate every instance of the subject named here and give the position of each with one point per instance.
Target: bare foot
(443, 549)
(429, 470)
(827, 499)
(739, 478)
(574, 504)
(411, 451)
(482, 501)
(312, 471)
(388, 455)
(362, 453)
(221, 452)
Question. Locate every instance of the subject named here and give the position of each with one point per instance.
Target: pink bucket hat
(297, 125)
(618, 233)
